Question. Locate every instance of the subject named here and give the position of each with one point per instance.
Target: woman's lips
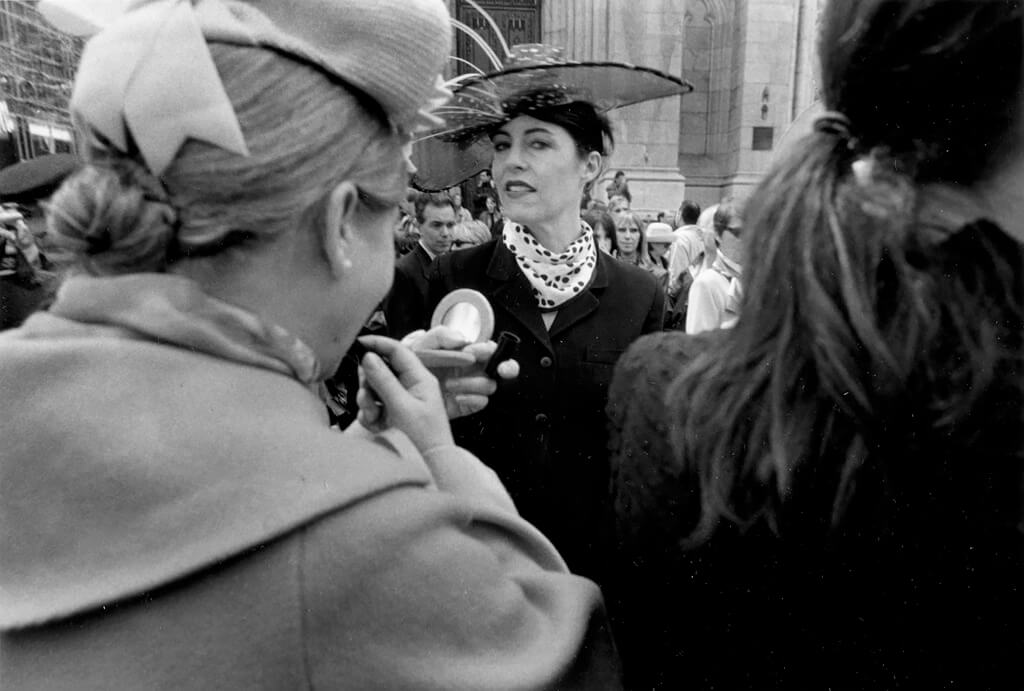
(516, 189)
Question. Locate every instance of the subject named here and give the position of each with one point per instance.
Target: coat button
(541, 419)
(546, 362)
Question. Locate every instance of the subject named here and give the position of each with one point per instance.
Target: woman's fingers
(401, 361)
(410, 338)
(368, 403)
(482, 352)
(477, 384)
(381, 379)
(438, 338)
(467, 404)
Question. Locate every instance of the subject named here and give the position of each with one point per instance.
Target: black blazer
(545, 433)
(404, 307)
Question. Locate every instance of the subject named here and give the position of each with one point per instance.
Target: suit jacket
(404, 306)
(172, 520)
(545, 433)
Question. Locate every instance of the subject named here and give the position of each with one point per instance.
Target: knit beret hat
(147, 71)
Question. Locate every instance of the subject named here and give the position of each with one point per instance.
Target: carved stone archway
(519, 21)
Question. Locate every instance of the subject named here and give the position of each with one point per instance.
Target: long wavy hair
(878, 321)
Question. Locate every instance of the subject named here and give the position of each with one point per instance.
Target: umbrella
(36, 175)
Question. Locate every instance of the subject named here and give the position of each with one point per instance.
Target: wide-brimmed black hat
(534, 77)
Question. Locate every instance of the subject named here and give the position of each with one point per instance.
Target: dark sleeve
(438, 280)
(404, 307)
(655, 319)
(644, 496)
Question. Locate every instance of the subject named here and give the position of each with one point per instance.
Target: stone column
(641, 32)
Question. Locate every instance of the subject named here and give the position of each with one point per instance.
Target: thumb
(440, 337)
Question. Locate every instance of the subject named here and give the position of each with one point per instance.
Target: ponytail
(843, 305)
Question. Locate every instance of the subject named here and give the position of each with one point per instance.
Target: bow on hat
(147, 70)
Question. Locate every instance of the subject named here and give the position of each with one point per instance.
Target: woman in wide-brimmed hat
(540, 126)
(175, 511)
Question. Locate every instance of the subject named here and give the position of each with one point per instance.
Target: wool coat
(545, 432)
(173, 520)
(404, 307)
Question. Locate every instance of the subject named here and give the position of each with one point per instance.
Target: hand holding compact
(460, 367)
(397, 390)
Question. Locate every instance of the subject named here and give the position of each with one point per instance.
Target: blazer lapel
(583, 305)
(424, 260)
(511, 292)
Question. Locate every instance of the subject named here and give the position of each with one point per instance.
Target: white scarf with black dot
(555, 278)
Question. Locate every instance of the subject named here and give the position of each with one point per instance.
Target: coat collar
(423, 257)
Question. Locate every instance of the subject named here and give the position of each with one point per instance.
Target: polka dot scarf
(555, 278)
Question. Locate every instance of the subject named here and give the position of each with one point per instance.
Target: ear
(592, 166)
(336, 231)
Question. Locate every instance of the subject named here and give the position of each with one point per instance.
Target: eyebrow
(532, 130)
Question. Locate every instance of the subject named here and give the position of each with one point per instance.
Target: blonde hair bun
(113, 218)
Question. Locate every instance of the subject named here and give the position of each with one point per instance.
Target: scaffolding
(37, 68)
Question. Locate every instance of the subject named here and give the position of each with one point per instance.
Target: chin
(523, 214)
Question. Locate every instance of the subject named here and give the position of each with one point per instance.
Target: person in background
(28, 272)
(659, 238)
(714, 296)
(27, 281)
(405, 305)
(407, 232)
(829, 494)
(483, 188)
(618, 206)
(462, 214)
(604, 229)
(175, 512)
(471, 234)
(630, 242)
(619, 187)
(684, 256)
(491, 215)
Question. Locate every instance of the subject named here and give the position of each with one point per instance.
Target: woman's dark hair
(872, 330)
(603, 219)
(591, 130)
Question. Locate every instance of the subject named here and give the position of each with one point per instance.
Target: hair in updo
(112, 218)
(305, 134)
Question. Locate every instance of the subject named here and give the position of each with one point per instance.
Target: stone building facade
(752, 64)
(37, 65)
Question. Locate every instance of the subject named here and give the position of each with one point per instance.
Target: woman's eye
(500, 146)
(536, 144)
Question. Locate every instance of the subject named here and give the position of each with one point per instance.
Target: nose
(512, 158)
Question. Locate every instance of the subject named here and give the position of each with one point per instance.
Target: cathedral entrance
(519, 21)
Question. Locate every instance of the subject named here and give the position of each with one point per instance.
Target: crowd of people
(774, 443)
(675, 256)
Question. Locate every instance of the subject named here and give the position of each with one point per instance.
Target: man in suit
(405, 305)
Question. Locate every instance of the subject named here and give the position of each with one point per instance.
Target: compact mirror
(466, 311)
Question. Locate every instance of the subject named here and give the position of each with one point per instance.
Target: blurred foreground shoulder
(420, 589)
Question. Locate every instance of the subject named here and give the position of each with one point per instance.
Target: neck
(560, 232)
(259, 283)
